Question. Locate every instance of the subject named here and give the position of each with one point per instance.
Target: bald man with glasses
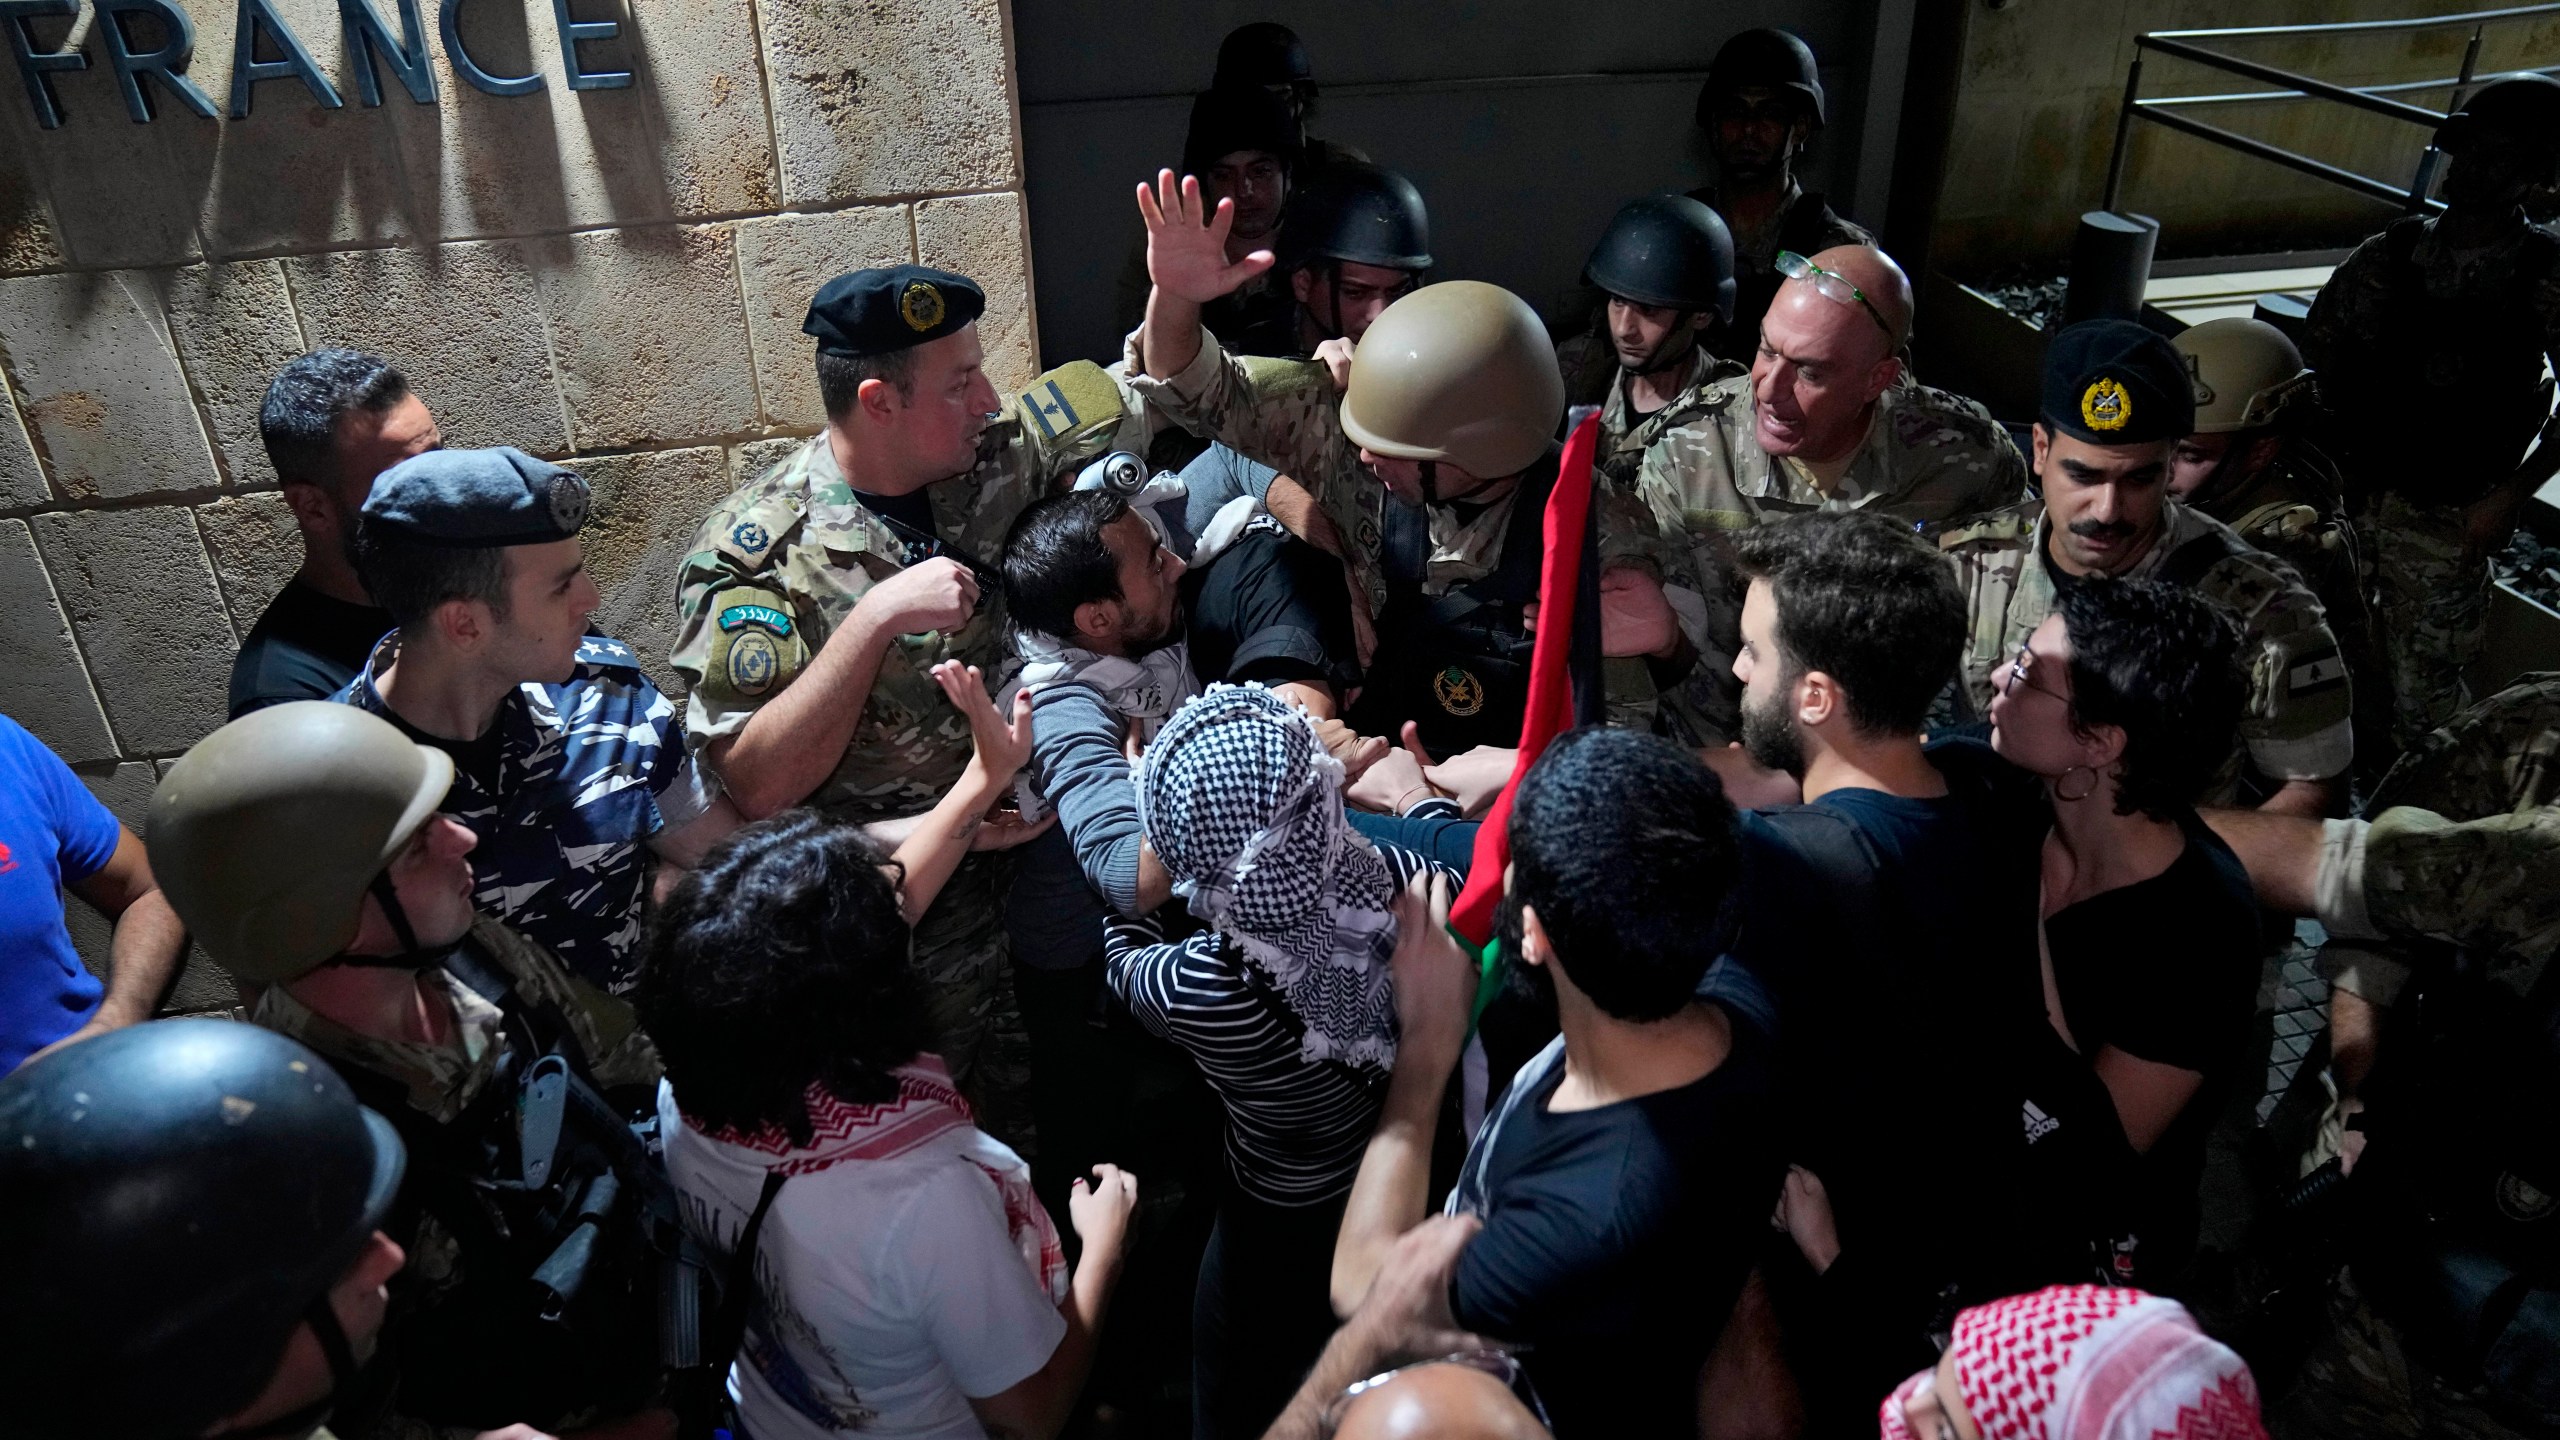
(1828, 419)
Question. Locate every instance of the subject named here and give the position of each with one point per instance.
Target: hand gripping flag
(1564, 665)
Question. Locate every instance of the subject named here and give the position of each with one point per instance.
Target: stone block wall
(613, 277)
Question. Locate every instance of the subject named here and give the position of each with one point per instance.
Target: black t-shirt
(1899, 936)
(1616, 1240)
(305, 647)
(1274, 609)
(2166, 970)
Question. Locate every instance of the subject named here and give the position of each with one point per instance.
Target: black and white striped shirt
(1295, 1128)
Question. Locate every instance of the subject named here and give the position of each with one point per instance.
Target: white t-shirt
(893, 1289)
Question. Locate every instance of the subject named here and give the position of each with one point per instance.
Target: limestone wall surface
(613, 277)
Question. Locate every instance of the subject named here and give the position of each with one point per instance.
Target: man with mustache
(2117, 400)
(820, 595)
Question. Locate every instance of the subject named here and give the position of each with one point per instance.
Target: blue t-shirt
(52, 832)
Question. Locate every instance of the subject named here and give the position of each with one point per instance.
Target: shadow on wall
(1525, 126)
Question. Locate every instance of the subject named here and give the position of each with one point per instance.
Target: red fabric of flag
(1551, 710)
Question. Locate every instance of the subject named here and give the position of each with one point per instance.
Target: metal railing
(2373, 99)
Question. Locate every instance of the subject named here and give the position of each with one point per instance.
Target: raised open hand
(1187, 241)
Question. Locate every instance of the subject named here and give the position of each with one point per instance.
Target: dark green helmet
(1770, 58)
(1666, 250)
(1357, 212)
(1265, 52)
(175, 1197)
(2522, 110)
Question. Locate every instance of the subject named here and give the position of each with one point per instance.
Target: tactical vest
(1755, 289)
(574, 1286)
(1457, 664)
(2474, 361)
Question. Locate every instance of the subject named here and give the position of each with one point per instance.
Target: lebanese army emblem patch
(2105, 406)
(920, 305)
(1458, 691)
(753, 663)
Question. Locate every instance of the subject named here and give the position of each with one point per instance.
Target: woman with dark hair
(2127, 702)
(907, 1283)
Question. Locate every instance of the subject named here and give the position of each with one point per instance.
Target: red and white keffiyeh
(928, 1114)
(2091, 1362)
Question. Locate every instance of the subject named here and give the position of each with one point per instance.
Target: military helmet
(2519, 109)
(1359, 212)
(266, 834)
(174, 1197)
(1265, 52)
(2246, 373)
(1461, 372)
(1666, 250)
(1229, 118)
(1769, 57)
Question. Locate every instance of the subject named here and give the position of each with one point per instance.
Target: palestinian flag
(1564, 663)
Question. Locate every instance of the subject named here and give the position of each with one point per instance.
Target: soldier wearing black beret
(2117, 399)
(818, 597)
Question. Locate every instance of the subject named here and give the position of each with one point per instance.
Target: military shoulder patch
(738, 617)
(1075, 399)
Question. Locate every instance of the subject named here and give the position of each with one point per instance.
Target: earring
(2062, 785)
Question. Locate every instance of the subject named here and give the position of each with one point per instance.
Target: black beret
(477, 499)
(878, 312)
(2113, 382)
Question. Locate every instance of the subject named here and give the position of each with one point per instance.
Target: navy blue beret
(478, 499)
(2113, 382)
(875, 312)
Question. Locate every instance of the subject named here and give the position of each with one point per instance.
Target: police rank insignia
(1458, 691)
(749, 536)
(2105, 406)
(920, 305)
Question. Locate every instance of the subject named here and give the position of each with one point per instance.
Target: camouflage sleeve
(2347, 314)
(2298, 724)
(741, 634)
(1283, 413)
(1689, 479)
(2491, 883)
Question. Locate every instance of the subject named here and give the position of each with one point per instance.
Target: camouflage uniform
(2409, 326)
(1286, 414)
(2492, 883)
(2298, 724)
(1929, 457)
(2294, 510)
(777, 568)
(443, 1081)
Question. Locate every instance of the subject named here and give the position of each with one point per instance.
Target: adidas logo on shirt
(2039, 1124)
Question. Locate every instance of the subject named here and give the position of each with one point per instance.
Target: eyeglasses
(1502, 1365)
(2018, 676)
(1833, 286)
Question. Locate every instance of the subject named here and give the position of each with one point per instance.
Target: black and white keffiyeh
(1244, 808)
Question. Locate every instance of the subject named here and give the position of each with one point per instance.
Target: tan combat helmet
(2245, 373)
(265, 835)
(1460, 372)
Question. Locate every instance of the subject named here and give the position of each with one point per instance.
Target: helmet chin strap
(323, 1320)
(1665, 355)
(411, 955)
(1430, 481)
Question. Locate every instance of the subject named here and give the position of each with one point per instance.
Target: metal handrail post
(2433, 157)
(2124, 130)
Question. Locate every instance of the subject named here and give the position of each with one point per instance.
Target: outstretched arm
(933, 850)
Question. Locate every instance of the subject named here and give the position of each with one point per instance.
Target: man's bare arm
(149, 940)
(2281, 853)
